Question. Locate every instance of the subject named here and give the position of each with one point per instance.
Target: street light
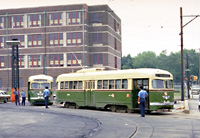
(182, 62)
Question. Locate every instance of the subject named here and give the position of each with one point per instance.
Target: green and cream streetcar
(116, 89)
(36, 85)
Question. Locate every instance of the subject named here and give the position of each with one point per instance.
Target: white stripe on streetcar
(165, 103)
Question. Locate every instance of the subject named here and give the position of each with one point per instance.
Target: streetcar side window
(66, 85)
(99, 83)
(75, 85)
(105, 84)
(62, 85)
(80, 85)
(111, 84)
(70, 84)
(93, 85)
(117, 84)
(157, 83)
(124, 84)
(168, 83)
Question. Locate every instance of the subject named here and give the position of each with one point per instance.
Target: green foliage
(127, 62)
(145, 60)
(171, 62)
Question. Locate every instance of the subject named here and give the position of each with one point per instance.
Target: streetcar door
(136, 84)
(88, 93)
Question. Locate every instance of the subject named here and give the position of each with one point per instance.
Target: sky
(147, 25)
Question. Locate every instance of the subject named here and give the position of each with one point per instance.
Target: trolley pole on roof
(182, 62)
(15, 65)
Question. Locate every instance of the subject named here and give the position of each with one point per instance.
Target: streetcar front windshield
(162, 84)
(39, 85)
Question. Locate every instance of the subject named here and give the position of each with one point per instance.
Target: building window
(97, 17)
(21, 39)
(34, 20)
(74, 59)
(116, 26)
(2, 62)
(73, 18)
(115, 62)
(55, 19)
(56, 39)
(1, 22)
(56, 60)
(18, 21)
(2, 42)
(21, 61)
(34, 40)
(34, 61)
(98, 58)
(97, 38)
(115, 43)
(74, 39)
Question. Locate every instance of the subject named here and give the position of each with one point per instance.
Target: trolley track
(100, 124)
(85, 132)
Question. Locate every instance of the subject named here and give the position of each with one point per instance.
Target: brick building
(53, 42)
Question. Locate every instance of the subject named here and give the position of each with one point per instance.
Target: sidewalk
(188, 106)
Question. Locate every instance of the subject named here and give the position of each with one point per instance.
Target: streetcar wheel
(129, 110)
(113, 108)
(77, 107)
(66, 105)
(148, 111)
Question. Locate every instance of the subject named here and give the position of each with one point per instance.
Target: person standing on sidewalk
(141, 100)
(46, 96)
(23, 94)
(16, 93)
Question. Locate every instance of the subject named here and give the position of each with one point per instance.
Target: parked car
(195, 89)
(4, 97)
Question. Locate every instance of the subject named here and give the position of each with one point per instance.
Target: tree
(127, 62)
(171, 62)
(145, 60)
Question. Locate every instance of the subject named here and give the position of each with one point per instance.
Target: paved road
(32, 122)
(36, 121)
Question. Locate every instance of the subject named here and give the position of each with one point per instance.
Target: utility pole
(188, 76)
(182, 62)
(199, 66)
(182, 69)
